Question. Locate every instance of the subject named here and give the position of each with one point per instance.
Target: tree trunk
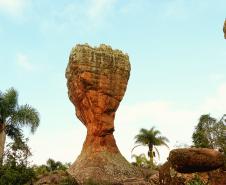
(150, 152)
(2, 140)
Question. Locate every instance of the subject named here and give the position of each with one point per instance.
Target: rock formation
(97, 80)
(188, 160)
(224, 29)
(169, 176)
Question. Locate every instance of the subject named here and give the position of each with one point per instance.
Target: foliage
(196, 181)
(13, 117)
(68, 181)
(210, 133)
(142, 161)
(15, 169)
(51, 165)
(150, 138)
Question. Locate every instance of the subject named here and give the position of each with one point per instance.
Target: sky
(177, 53)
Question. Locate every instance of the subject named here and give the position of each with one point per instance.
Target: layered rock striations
(97, 80)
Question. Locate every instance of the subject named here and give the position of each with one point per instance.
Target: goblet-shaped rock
(97, 80)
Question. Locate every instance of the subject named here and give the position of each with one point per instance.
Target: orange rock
(188, 160)
(97, 80)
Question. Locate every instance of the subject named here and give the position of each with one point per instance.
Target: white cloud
(217, 77)
(23, 61)
(79, 17)
(174, 123)
(175, 8)
(13, 7)
(216, 104)
(98, 8)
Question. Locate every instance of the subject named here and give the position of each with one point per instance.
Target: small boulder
(188, 160)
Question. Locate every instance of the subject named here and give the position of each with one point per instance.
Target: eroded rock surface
(97, 80)
(188, 160)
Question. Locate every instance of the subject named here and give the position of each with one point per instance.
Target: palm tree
(13, 117)
(150, 138)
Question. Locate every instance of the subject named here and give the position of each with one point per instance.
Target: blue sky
(177, 52)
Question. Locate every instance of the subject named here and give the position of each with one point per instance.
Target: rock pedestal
(97, 80)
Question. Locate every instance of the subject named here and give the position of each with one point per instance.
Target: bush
(17, 175)
(69, 181)
(15, 168)
(196, 181)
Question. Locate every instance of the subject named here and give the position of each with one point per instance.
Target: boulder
(97, 80)
(188, 160)
(168, 176)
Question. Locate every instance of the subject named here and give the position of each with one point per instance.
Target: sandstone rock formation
(224, 29)
(97, 80)
(188, 160)
(168, 176)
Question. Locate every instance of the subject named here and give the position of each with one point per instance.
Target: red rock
(97, 80)
(188, 160)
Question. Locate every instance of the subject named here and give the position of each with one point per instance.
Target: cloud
(23, 61)
(98, 8)
(175, 121)
(13, 8)
(81, 17)
(216, 104)
(217, 77)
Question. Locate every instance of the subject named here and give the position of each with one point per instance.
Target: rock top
(188, 160)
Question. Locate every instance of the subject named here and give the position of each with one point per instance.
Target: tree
(210, 133)
(150, 138)
(141, 160)
(53, 165)
(13, 117)
(15, 168)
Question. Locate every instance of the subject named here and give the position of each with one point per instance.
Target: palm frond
(134, 148)
(8, 103)
(13, 131)
(26, 115)
(157, 151)
(150, 138)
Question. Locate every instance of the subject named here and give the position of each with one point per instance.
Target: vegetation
(15, 168)
(51, 165)
(13, 117)
(150, 138)
(196, 181)
(210, 133)
(141, 161)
